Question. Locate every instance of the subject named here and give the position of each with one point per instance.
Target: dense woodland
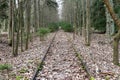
(23, 21)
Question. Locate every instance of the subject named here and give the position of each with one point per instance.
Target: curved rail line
(82, 62)
(41, 64)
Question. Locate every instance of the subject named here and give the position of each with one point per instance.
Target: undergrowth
(5, 66)
(67, 27)
(43, 32)
(53, 27)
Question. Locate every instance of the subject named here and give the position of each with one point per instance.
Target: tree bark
(28, 11)
(18, 30)
(117, 36)
(35, 15)
(110, 28)
(21, 24)
(10, 22)
(87, 37)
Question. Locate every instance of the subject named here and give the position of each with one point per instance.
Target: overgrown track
(67, 54)
(40, 65)
(82, 62)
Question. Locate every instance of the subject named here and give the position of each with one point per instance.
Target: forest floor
(98, 58)
(25, 64)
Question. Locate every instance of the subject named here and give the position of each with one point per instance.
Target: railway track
(41, 64)
(62, 63)
(98, 74)
(82, 62)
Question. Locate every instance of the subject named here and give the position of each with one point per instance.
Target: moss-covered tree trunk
(110, 28)
(117, 36)
(115, 48)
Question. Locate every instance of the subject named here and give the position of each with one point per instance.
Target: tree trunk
(110, 28)
(35, 15)
(18, 30)
(117, 36)
(11, 26)
(87, 37)
(115, 49)
(21, 24)
(39, 13)
(28, 11)
(83, 18)
(10, 22)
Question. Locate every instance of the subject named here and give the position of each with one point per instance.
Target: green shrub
(5, 66)
(66, 27)
(53, 27)
(42, 32)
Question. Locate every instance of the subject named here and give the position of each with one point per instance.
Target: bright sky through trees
(60, 8)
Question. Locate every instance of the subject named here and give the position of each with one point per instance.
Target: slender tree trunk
(35, 15)
(10, 22)
(18, 30)
(83, 18)
(115, 49)
(87, 39)
(39, 13)
(13, 30)
(75, 20)
(28, 11)
(21, 24)
(11, 26)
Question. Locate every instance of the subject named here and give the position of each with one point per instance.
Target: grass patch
(19, 77)
(92, 78)
(5, 66)
(23, 70)
(107, 78)
(41, 66)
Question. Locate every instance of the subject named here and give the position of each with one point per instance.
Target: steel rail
(41, 64)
